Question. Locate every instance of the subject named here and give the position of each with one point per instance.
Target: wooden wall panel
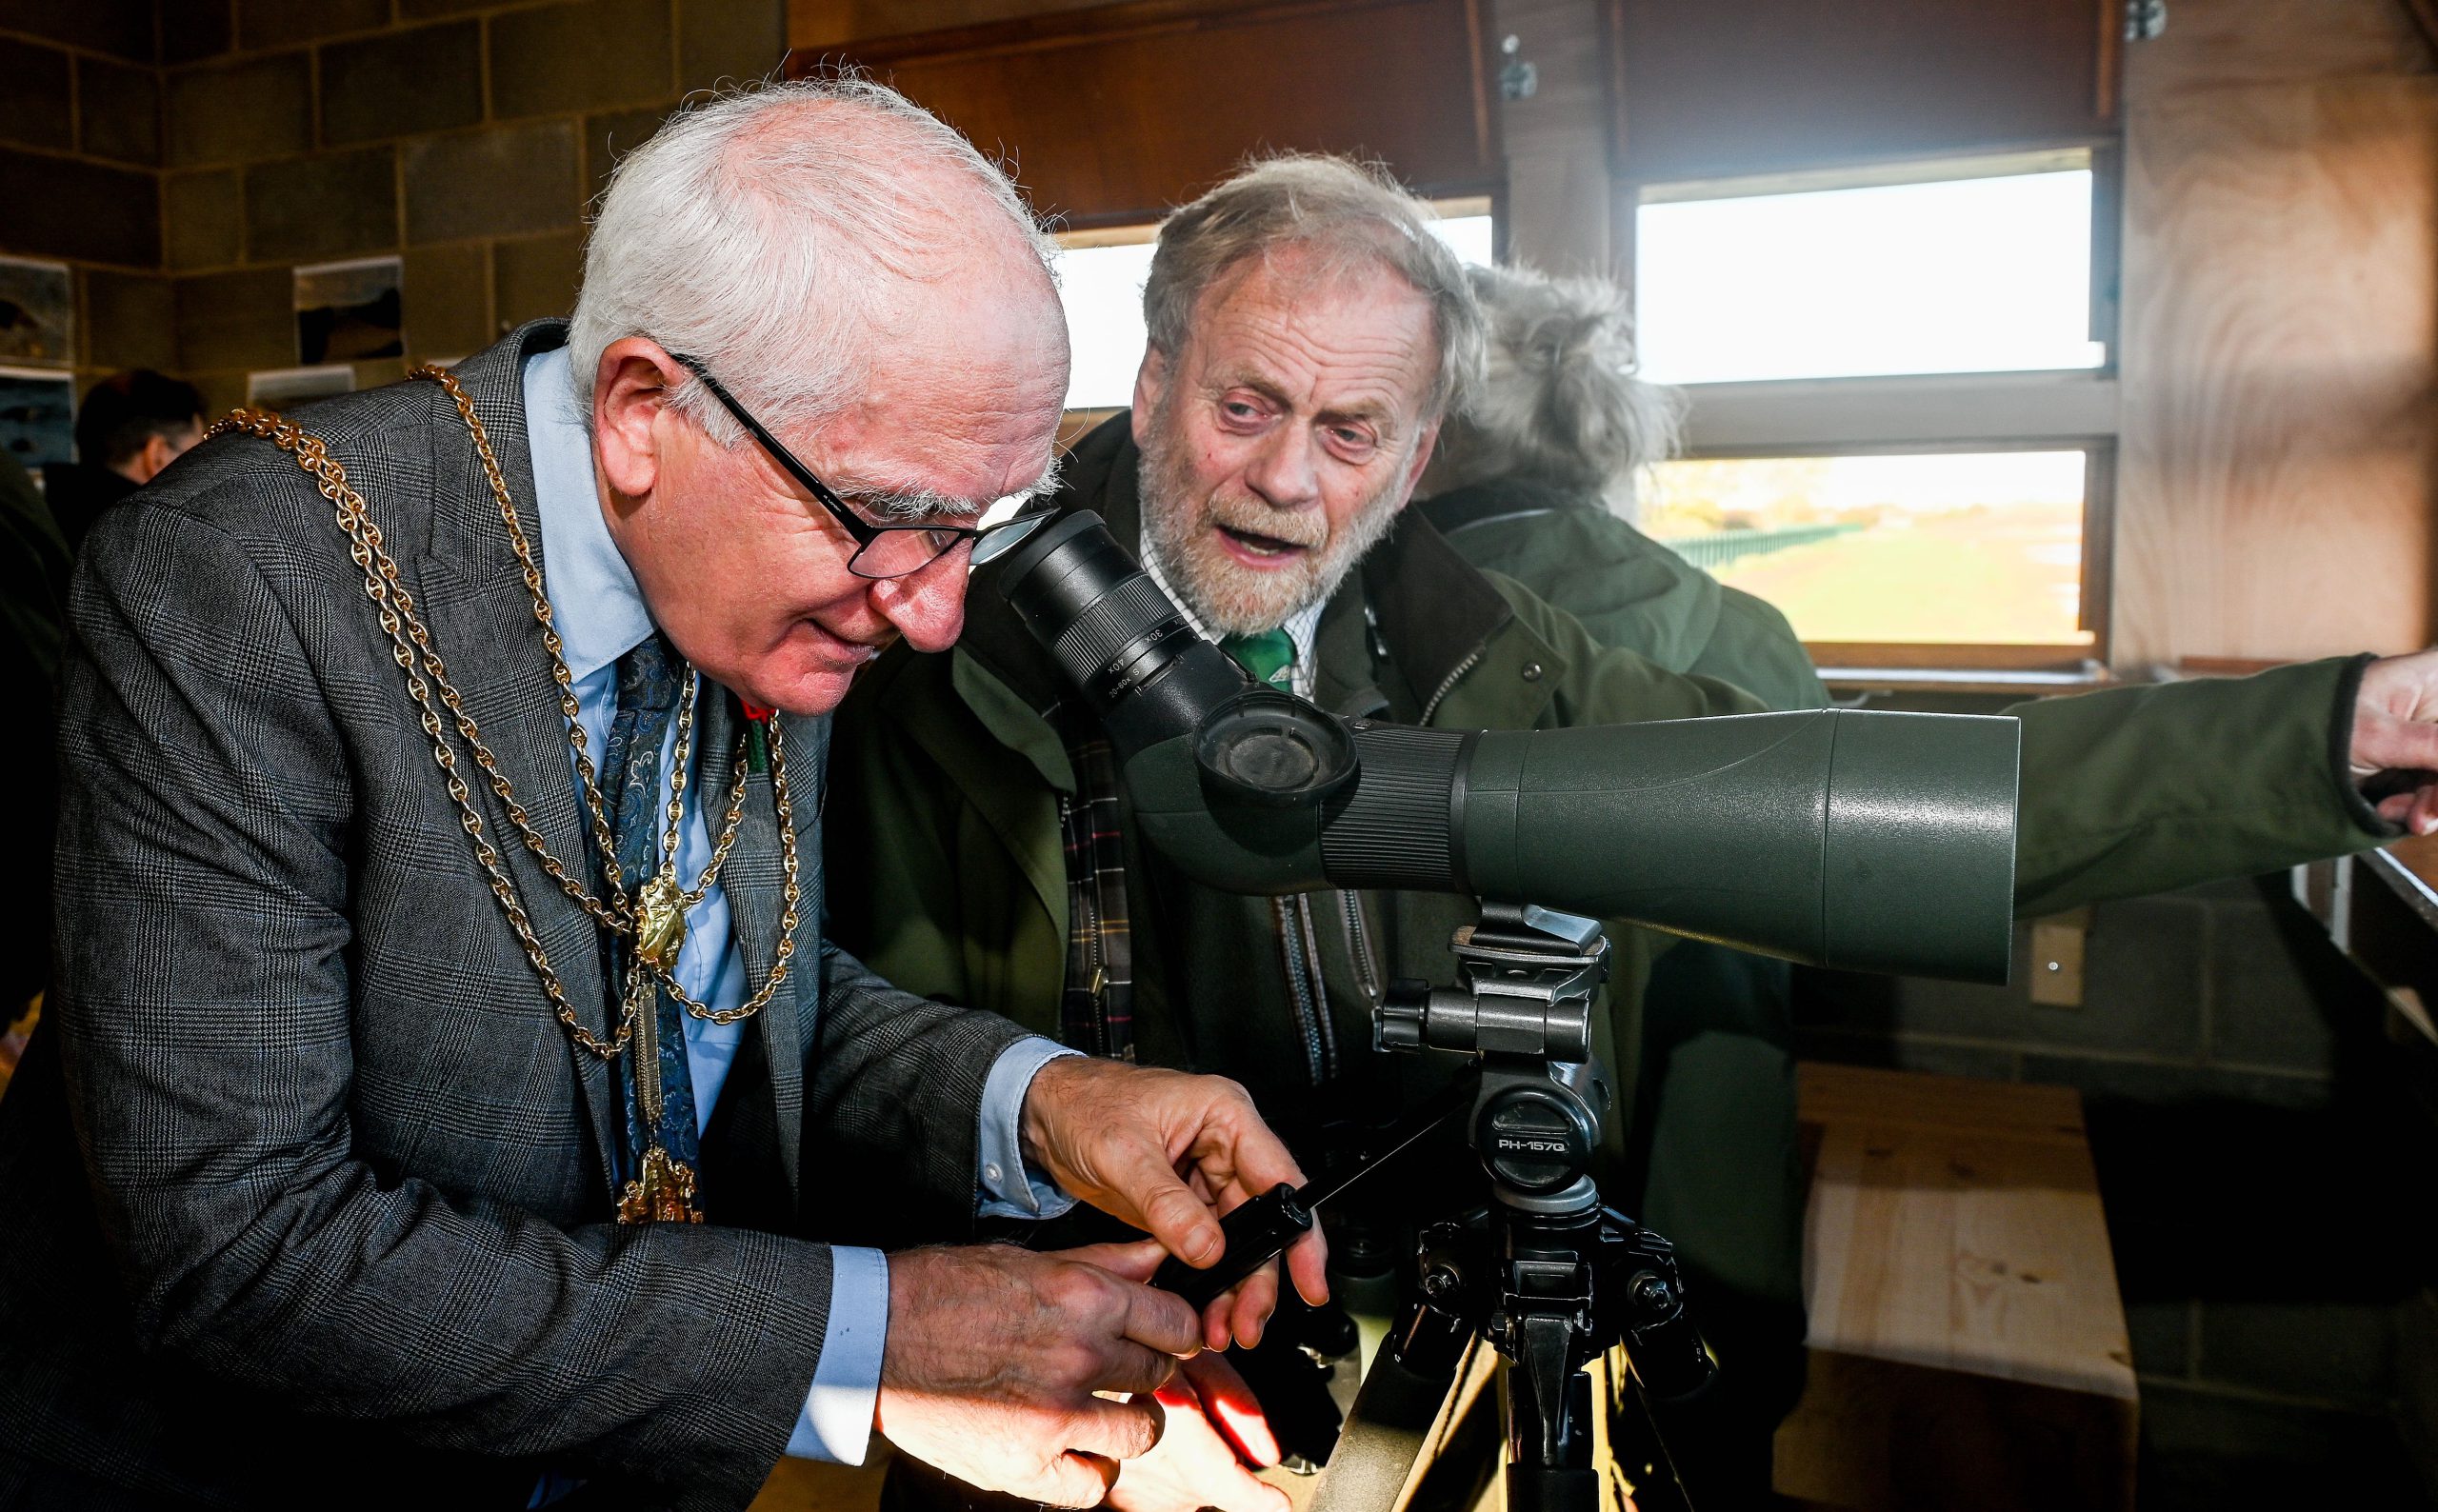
(1557, 141)
(821, 25)
(1120, 113)
(1705, 90)
(2279, 351)
(2217, 42)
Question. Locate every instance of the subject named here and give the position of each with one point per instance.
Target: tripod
(1546, 1274)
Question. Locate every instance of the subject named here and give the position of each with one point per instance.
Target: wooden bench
(1968, 1339)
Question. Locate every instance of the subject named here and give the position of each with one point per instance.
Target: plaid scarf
(1096, 1012)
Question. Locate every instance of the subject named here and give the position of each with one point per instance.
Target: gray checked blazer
(302, 1187)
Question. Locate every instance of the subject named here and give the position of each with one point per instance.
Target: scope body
(1880, 841)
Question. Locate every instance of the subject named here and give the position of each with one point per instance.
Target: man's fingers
(1131, 1367)
(1161, 1320)
(1256, 1297)
(1072, 1479)
(1308, 1262)
(2415, 811)
(1175, 1217)
(1235, 1490)
(2385, 743)
(1135, 1260)
(1117, 1430)
(1232, 1407)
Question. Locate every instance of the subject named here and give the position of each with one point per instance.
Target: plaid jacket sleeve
(205, 996)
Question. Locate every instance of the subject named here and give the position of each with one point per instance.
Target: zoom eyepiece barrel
(1120, 640)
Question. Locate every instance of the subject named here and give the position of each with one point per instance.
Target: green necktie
(1267, 656)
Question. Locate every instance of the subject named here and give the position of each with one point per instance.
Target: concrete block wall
(466, 137)
(187, 155)
(80, 153)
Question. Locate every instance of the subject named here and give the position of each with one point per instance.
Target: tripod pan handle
(1257, 1231)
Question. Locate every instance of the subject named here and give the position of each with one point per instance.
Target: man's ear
(1150, 381)
(157, 453)
(630, 392)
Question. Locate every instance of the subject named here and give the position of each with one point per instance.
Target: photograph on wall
(37, 417)
(37, 312)
(285, 387)
(349, 312)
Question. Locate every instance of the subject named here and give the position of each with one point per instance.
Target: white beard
(1225, 595)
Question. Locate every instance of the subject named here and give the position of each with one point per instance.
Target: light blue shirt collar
(599, 610)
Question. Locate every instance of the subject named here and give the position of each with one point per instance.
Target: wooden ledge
(2024, 683)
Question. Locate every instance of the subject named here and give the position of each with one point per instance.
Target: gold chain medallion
(663, 1194)
(656, 913)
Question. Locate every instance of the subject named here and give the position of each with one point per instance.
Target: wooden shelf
(2025, 684)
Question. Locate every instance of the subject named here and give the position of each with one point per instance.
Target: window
(1903, 403)
(1100, 279)
(1895, 549)
(1966, 275)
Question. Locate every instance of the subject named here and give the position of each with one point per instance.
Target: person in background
(1534, 479)
(131, 426)
(34, 591)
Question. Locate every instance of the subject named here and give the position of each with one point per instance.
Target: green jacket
(1626, 588)
(947, 843)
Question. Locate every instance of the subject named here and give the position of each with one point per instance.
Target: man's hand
(1214, 1425)
(993, 1356)
(2395, 740)
(1118, 1137)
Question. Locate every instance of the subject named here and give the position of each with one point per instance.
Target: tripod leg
(1395, 1419)
(1640, 1449)
(1549, 1437)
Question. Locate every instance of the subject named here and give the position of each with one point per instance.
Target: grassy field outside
(1998, 575)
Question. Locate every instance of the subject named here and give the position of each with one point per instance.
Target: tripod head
(1529, 975)
(1548, 1275)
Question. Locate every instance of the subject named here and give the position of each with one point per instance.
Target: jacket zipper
(1320, 985)
(1299, 983)
(1446, 683)
(1359, 944)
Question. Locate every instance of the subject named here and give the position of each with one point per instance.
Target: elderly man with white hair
(448, 1086)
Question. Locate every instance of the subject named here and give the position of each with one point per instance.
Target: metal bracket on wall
(2057, 944)
(1517, 79)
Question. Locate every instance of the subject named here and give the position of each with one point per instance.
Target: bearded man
(1307, 336)
(449, 1089)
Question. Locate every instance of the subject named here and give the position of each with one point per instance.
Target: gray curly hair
(1350, 212)
(1559, 403)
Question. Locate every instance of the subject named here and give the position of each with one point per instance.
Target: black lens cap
(1275, 750)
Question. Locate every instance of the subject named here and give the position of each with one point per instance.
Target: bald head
(877, 297)
(789, 235)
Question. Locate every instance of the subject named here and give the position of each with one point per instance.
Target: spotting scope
(1869, 841)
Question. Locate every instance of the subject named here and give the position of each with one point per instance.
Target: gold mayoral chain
(653, 915)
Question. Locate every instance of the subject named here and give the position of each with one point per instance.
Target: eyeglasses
(882, 551)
